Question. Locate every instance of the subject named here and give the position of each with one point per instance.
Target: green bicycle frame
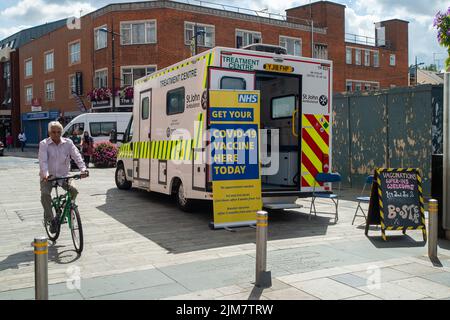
(57, 203)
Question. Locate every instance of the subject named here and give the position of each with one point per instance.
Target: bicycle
(66, 211)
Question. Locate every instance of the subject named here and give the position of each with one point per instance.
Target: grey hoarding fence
(398, 128)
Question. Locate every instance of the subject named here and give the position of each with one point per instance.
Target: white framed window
(349, 86)
(293, 45)
(49, 61)
(100, 38)
(131, 73)
(376, 59)
(358, 86)
(101, 78)
(320, 51)
(28, 94)
(245, 37)
(348, 55)
(367, 86)
(50, 90)
(392, 60)
(205, 39)
(72, 84)
(29, 67)
(367, 58)
(358, 57)
(138, 32)
(75, 52)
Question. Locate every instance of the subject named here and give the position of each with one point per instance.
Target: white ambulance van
(170, 122)
(99, 125)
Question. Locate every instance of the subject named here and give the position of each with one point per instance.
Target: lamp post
(113, 65)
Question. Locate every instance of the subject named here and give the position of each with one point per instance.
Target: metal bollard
(263, 277)
(432, 228)
(40, 268)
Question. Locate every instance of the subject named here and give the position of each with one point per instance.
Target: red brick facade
(170, 47)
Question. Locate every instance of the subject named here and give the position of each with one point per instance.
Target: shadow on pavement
(24, 258)
(157, 217)
(395, 241)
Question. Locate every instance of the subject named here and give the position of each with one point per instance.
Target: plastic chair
(326, 178)
(363, 199)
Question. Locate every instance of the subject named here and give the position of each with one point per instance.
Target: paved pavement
(140, 246)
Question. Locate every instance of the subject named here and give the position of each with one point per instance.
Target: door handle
(293, 124)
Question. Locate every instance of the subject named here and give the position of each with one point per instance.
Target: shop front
(35, 125)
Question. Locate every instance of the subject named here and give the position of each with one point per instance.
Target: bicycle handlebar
(75, 176)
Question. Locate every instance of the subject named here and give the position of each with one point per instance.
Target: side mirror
(113, 137)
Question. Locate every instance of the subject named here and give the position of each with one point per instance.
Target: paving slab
(392, 291)
(426, 287)
(327, 289)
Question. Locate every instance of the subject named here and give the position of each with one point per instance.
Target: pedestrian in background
(23, 139)
(87, 148)
(9, 141)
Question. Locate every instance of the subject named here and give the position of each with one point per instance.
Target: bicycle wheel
(76, 229)
(53, 236)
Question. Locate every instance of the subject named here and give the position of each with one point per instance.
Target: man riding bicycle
(55, 153)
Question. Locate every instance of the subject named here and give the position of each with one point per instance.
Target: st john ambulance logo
(323, 100)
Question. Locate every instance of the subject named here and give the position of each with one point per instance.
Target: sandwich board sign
(236, 180)
(396, 201)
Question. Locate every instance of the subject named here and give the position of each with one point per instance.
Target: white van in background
(99, 125)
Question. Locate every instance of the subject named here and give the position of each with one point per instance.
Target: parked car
(2, 148)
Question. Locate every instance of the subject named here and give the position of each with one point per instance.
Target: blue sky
(360, 16)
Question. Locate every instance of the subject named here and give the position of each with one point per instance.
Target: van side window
(78, 127)
(175, 101)
(145, 108)
(232, 83)
(99, 129)
(283, 107)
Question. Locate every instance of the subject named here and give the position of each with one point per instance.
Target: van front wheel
(121, 178)
(183, 203)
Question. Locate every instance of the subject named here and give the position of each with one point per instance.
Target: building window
(204, 39)
(29, 68)
(349, 86)
(175, 101)
(49, 61)
(244, 38)
(348, 55)
(367, 58)
(75, 52)
(376, 86)
(358, 57)
(367, 87)
(376, 59)
(293, 45)
(72, 84)
(50, 91)
(7, 75)
(100, 38)
(28, 94)
(131, 74)
(321, 51)
(358, 86)
(101, 78)
(138, 32)
(392, 60)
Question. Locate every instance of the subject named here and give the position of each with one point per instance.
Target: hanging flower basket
(442, 24)
(99, 94)
(126, 95)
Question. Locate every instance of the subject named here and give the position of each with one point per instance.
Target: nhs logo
(247, 98)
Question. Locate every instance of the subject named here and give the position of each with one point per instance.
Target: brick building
(59, 69)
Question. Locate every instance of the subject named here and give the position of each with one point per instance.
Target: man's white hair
(53, 124)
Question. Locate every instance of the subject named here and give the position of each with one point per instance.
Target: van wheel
(183, 203)
(121, 178)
